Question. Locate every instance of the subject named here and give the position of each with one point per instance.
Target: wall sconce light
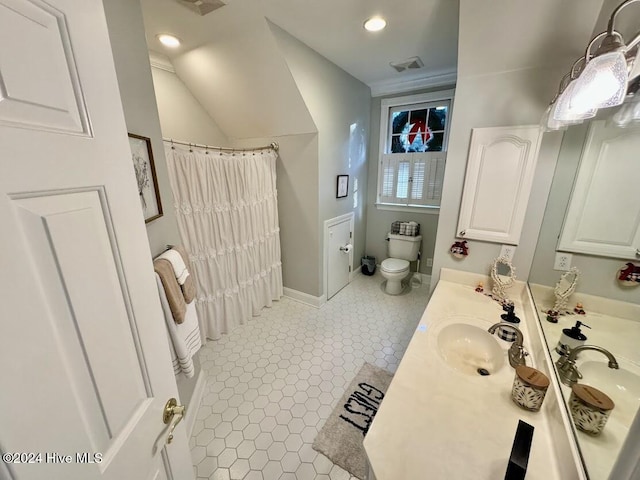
(597, 80)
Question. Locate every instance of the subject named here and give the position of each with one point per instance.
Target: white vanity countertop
(438, 423)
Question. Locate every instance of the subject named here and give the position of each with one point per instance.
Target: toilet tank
(404, 247)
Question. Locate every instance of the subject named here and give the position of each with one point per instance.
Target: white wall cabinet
(603, 217)
(498, 182)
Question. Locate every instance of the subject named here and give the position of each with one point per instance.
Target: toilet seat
(394, 265)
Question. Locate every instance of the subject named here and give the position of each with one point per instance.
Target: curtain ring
(190, 149)
(172, 147)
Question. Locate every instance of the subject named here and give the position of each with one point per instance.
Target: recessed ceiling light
(169, 40)
(375, 24)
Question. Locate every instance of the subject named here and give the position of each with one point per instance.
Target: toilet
(402, 250)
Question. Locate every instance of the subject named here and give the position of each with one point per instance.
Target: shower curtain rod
(273, 145)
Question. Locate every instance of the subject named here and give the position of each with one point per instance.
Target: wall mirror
(612, 312)
(503, 274)
(603, 216)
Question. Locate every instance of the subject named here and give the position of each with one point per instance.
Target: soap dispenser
(509, 317)
(571, 338)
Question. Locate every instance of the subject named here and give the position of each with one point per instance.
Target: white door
(86, 367)
(339, 254)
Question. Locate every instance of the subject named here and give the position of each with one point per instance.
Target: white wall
(339, 105)
(181, 115)
(131, 58)
(506, 78)
(126, 31)
(241, 78)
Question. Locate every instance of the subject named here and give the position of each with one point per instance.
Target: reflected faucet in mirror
(567, 369)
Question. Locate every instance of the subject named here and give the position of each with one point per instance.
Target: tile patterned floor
(273, 382)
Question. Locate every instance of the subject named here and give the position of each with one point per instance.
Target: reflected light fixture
(375, 24)
(597, 80)
(168, 40)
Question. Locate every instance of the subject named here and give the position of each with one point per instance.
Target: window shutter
(418, 179)
(402, 183)
(389, 166)
(394, 181)
(434, 179)
(427, 175)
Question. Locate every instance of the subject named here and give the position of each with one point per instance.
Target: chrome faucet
(569, 373)
(516, 351)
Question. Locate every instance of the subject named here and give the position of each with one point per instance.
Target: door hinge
(350, 234)
(349, 267)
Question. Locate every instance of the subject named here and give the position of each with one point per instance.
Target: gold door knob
(172, 414)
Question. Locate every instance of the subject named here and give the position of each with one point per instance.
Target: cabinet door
(603, 217)
(498, 182)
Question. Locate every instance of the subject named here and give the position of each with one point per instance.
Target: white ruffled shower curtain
(226, 207)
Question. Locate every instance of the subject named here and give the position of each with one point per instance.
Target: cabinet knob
(462, 233)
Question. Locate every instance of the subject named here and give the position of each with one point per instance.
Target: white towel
(176, 261)
(184, 339)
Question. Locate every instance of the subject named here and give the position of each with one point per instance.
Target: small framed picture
(343, 186)
(142, 158)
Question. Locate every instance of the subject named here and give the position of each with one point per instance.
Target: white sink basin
(470, 350)
(622, 385)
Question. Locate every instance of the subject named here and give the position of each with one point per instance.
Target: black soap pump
(571, 338)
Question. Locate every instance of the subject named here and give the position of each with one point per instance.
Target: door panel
(339, 261)
(40, 49)
(69, 236)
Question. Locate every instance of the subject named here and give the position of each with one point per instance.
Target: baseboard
(194, 405)
(353, 274)
(305, 298)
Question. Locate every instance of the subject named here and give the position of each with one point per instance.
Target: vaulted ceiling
(231, 62)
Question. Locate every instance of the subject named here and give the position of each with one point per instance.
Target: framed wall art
(142, 158)
(343, 186)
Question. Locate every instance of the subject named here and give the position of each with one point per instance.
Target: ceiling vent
(202, 7)
(412, 63)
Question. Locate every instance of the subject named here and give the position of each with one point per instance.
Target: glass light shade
(634, 71)
(548, 123)
(629, 113)
(623, 117)
(602, 83)
(568, 111)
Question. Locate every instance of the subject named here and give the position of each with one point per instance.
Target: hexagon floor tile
(273, 382)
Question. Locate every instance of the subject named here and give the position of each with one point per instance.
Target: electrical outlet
(508, 251)
(563, 261)
(429, 262)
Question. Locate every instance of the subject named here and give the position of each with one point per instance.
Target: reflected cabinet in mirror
(590, 319)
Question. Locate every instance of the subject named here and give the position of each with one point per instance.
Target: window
(413, 144)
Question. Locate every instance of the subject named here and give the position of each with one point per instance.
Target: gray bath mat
(341, 436)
